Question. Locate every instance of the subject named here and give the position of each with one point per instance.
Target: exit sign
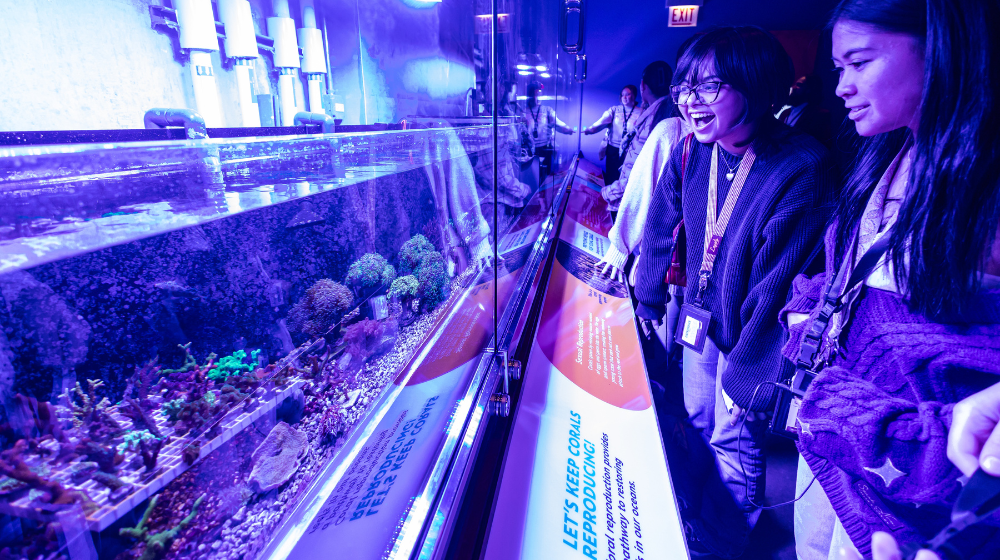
(683, 16)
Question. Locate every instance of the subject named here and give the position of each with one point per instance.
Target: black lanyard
(625, 124)
(535, 115)
(812, 341)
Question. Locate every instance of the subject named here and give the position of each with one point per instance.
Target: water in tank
(189, 330)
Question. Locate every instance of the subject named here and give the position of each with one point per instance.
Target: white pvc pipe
(316, 94)
(286, 97)
(206, 92)
(280, 8)
(247, 103)
(308, 14)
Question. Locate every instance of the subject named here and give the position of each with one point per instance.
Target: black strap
(812, 340)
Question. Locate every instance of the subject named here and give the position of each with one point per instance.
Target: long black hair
(948, 221)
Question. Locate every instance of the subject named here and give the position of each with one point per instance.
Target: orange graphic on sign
(590, 337)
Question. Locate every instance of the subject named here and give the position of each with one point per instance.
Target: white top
(649, 167)
(619, 117)
(546, 120)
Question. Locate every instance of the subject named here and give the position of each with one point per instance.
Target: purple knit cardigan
(875, 422)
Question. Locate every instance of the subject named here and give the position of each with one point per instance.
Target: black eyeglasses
(705, 92)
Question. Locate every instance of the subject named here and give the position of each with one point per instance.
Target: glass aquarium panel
(212, 348)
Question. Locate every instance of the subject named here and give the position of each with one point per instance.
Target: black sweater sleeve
(665, 212)
(788, 239)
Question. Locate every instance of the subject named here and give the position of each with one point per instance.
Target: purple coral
(13, 466)
(91, 414)
(322, 307)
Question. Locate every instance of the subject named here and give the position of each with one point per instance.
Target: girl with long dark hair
(921, 331)
(764, 193)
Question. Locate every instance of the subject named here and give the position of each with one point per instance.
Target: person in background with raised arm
(620, 120)
(543, 124)
(655, 91)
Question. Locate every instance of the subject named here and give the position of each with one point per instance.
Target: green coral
(370, 271)
(133, 440)
(322, 307)
(172, 409)
(388, 274)
(158, 544)
(233, 365)
(433, 279)
(411, 252)
(404, 287)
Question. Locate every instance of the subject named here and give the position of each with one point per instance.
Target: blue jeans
(707, 410)
(819, 535)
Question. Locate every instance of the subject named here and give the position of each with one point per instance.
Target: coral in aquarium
(362, 339)
(157, 544)
(411, 252)
(190, 379)
(141, 381)
(106, 456)
(133, 410)
(369, 273)
(232, 365)
(146, 443)
(12, 465)
(322, 307)
(91, 415)
(433, 279)
(405, 291)
(44, 418)
(277, 457)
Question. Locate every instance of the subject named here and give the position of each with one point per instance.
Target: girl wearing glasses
(920, 330)
(762, 192)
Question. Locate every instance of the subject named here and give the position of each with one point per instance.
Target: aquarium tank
(266, 340)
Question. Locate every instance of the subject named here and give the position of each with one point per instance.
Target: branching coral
(106, 457)
(147, 444)
(13, 466)
(190, 379)
(233, 365)
(90, 414)
(140, 418)
(141, 381)
(369, 273)
(157, 545)
(322, 307)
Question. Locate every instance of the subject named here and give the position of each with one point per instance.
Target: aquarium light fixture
(545, 75)
(525, 72)
(523, 67)
(542, 68)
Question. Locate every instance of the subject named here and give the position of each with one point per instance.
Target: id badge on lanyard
(694, 319)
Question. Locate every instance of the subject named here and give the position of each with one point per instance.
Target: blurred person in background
(542, 125)
(619, 120)
(655, 91)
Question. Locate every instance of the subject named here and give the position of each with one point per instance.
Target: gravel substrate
(235, 523)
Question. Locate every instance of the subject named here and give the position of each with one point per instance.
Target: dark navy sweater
(777, 224)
